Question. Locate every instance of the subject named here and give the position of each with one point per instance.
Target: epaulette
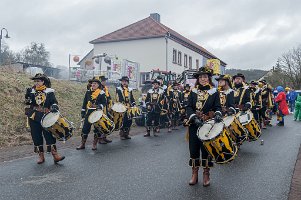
(48, 90)
(228, 91)
(212, 91)
(195, 90)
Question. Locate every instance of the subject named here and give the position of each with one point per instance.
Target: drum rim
(91, 114)
(58, 114)
(118, 103)
(229, 160)
(213, 137)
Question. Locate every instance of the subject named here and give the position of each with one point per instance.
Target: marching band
(219, 119)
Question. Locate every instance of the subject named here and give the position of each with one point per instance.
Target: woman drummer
(226, 94)
(203, 101)
(41, 100)
(95, 99)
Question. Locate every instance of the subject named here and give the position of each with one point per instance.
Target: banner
(214, 64)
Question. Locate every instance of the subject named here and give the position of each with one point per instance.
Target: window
(197, 63)
(179, 58)
(174, 56)
(185, 60)
(190, 62)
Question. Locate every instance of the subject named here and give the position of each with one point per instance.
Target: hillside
(12, 118)
(250, 74)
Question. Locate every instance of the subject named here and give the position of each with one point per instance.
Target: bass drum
(248, 121)
(237, 131)
(57, 125)
(217, 141)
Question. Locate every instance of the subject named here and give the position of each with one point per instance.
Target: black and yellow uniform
(125, 96)
(185, 96)
(242, 95)
(106, 109)
(226, 96)
(256, 100)
(203, 100)
(93, 100)
(153, 104)
(41, 100)
(267, 102)
(227, 101)
(175, 104)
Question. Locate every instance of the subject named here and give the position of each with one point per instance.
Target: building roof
(79, 63)
(149, 28)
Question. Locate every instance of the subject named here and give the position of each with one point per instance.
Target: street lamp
(6, 36)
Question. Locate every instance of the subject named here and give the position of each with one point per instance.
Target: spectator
(292, 95)
(282, 106)
(297, 114)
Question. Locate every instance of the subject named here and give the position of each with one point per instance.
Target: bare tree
(290, 65)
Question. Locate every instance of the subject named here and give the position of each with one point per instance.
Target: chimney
(155, 16)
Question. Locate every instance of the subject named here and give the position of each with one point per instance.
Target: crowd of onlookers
(293, 101)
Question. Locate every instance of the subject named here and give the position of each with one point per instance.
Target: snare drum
(57, 125)
(118, 110)
(248, 121)
(217, 141)
(238, 132)
(104, 125)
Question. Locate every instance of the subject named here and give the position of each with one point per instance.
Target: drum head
(210, 130)
(119, 107)
(246, 117)
(49, 119)
(95, 116)
(228, 120)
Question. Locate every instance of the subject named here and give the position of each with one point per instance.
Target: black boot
(126, 134)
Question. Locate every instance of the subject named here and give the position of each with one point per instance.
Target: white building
(154, 46)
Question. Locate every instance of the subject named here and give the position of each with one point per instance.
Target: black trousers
(195, 147)
(126, 123)
(37, 134)
(152, 116)
(257, 115)
(87, 128)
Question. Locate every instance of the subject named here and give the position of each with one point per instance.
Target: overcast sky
(244, 33)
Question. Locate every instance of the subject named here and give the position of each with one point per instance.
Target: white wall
(149, 53)
(177, 68)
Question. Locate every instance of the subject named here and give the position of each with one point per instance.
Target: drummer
(186, 94)
(226, 94)
(175, 100)
(165, 120)
(153, 104)
(242, 96)
(124, 95)
(94, 99)
(41, 99)
(256, 100)
(267, 102)
(107, 107)
(203, 98)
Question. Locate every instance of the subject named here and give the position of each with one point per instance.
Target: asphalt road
(157, 168)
